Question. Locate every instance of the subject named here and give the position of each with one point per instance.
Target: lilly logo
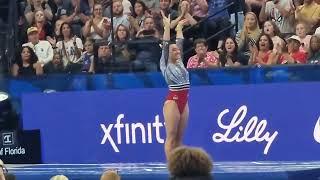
(316, 131)
(254, 130)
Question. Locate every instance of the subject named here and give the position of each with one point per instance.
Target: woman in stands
(98, 27)
(229, 55)
(270, 28)
(26, 64)
(302, 33)
(70, 47)
(262, 52)
(314, 52)
(140, 12)
(122, 53)
(44, 27)
(175, 109)
(249, 35)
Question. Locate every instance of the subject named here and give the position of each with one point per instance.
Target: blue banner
(272, 122)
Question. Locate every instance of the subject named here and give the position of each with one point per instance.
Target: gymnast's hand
(166, 20)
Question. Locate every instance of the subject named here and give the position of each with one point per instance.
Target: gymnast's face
(174, 52)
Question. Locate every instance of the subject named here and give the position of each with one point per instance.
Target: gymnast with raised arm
(175, 108)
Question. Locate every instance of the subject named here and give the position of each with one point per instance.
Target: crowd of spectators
(78, 36)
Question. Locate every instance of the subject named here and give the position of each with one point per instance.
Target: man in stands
(119, 17)
(43, 49)
(102, 58)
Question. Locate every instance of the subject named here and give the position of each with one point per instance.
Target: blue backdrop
(233, 123)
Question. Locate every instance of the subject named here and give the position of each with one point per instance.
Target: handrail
(11, 33)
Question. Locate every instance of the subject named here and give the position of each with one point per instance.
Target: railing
(9, 37)
(217, 33)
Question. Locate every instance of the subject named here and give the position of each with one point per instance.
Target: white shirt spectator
(285, 24)
(70, 51)
(127, 7)
(124, 20)
(43, 50)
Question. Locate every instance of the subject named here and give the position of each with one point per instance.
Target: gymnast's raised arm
(165, 45)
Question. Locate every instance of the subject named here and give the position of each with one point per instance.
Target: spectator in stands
(119, 16)
(283, 56)
(271, 29)
(56, 34)
(296, 55)
(122, 54)
(70, 47)
(106, 6)
(43, 49)
(87, 57)
(44, 28)
(189, 163)
(254, 6)
(229, 54)
(148, 29)
(199, 9)
(309, 13)
(301, 32)
(174, 15)
(203, 58)
(58, 9)
(98, 27)
(217, 22)
(102, 58)
(110, 175)
(146, 47)
(140, 12)
(314, 52)
(127, 7)
(248, 35)
(76, 14)
(26, 64)
(185, 12)
(55, 66)
(153, 5)
(59, 177)
(35, 5)
(281, 12)
(261, 53)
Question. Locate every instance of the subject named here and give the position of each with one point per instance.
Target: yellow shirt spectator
(309, 13)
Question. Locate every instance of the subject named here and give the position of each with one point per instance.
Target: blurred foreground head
(110, 175)
(186, 163)
(59, 177)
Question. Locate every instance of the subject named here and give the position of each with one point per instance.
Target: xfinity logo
(234, 131)
(316, 131)
(130, 131)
